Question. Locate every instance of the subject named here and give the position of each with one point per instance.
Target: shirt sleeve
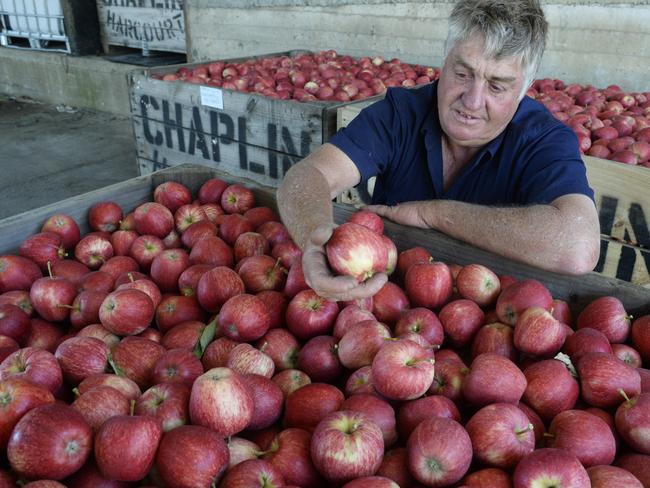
(554, 169)
(371, 139)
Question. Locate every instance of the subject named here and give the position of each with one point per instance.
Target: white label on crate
(212, 97)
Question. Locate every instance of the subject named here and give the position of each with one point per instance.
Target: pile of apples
(610, 123)
(325, 76)
(178, 345)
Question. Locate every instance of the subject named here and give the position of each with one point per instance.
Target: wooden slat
(155, 28)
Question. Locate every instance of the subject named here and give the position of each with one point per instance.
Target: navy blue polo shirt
(398, 139)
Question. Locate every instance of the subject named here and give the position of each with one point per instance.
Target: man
(469, 156)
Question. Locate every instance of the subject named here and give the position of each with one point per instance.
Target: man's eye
(462, 76)
(496, 88)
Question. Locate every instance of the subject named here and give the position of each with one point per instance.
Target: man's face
(477, 97)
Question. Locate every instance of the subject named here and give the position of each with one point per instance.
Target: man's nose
(473, 98)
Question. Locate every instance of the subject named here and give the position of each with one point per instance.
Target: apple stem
(130, 275)
(63, 305)
(548, 435)
(132, 408)
(622, 392)
(529, 427)
(76, 392)
(49, 269)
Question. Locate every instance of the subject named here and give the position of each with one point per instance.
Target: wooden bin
(622, 194)
(152, 25)
(578, 291)
(244, 134)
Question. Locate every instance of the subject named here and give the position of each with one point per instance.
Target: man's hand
(320, 278)
(408, 213)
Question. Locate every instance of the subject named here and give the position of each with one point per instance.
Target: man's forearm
(545, 236)
(304, 202)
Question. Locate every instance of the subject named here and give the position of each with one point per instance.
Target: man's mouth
(465, 116)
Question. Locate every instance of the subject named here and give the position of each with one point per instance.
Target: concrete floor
(49, 153)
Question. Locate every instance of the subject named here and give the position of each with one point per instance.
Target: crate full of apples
(307, 77)
(609, 123)
(177, 344)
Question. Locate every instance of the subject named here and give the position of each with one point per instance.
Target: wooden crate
(151, 25)
(244, 134)
(578, 291)
(622, 195)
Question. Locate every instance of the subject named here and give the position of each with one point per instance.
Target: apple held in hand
(355, 250)
(347, 445)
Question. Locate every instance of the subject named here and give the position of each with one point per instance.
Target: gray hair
(510, 28)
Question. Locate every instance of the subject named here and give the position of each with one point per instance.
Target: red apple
(14, 323)
(521, 295)
(368, 219)
(80, 357)
(607, 315)
(551, 467)
(493, 379)
(641, 336)
(409, 257)
(212, 250)
(168, 403)
(275, 232)
(122, 240)
(237, 199)
(211, 190)
(105, 216)
(361, 343)
(538, 333)
(221, 401)
(603, 376)
(172, 195)
(439, 452)
(49, 442)
(584, 341)
(125, 447)
(99, 404)
(125, 386)
(145, 248)
(609, 476)
(632, 420)
(586, 436)
(309, 315)
(308, 405)
(422, 321)
(495, 338)
(402, 370)
(448, 378)
(177, 366)
(175, 309)
(19, 298)
(179, 451)
(268, 401)
(17, 397)
(96, 281)
(428, 284)
(250, 244)
(461, 319)
(413, 412)
(360, 381)
(347, 445)
(93, 250)
(394, 466)
(253, 473)
(349, 316)
(320, 360)
(551, 389)
(198, 231)
(43, 248)
(289, 453)
(261, 215)
(48, 294)
(8, 346)
(17, 273)
(217, 286)
(627, 354)
(245, 359)
(35, 365)
(216, 354)
(126, 312)
(501, 435)
(479, 284)
(389, 303)
(244, 318)
(281, 346)
(135, 358)
(377, 410)
(153, 219)
(66, 227)
(487, 478)
(357, 251)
